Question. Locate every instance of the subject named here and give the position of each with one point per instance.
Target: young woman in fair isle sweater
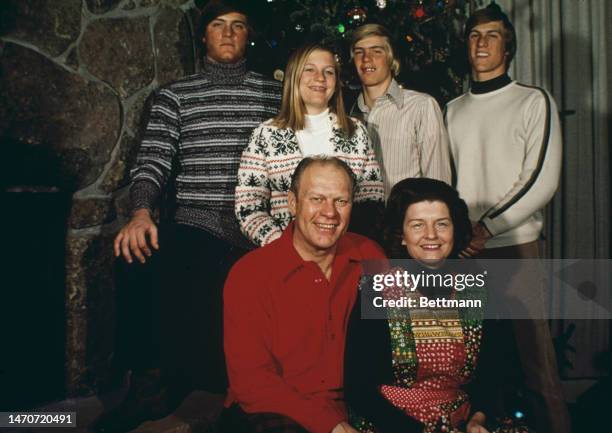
(312, 121)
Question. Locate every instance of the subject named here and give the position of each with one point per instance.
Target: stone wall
(76, 77)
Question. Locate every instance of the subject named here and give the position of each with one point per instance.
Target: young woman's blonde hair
(293, 110)
(368, 30)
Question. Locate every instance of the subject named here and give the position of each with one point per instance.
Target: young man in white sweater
(505, 141)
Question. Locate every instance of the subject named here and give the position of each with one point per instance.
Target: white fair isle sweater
(506, 146)
(267, 165)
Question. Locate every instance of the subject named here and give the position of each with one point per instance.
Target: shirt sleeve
(539, 176)
(433, 143)
(369, 180)
(156, 152)
(252, 206)
(254, 375)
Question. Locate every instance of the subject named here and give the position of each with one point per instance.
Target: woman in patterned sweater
(312, 121)
(409, 373)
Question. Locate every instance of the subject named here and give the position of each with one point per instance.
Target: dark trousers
(193, 271)
(534, 343)
(137, 313)
(235, 420)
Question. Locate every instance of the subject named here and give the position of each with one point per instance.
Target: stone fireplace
(76, 78)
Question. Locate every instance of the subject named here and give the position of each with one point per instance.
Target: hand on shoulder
(480, 236)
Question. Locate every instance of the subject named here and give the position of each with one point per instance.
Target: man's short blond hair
(368, 30)
(332, 161)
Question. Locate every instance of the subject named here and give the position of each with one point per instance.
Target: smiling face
(372, 61)
(428, 232)
(318, 81)
(322, 209)
(487, 50)
(226, 37)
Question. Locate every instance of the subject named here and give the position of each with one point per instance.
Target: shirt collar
(290, 261)
(393, 93)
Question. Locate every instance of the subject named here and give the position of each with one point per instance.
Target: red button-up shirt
(285, 328)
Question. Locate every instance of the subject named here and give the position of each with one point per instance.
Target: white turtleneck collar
(315, 121)
(315, 138)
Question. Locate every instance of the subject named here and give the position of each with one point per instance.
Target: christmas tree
(427, 36)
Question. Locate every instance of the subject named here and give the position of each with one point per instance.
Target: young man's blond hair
(368, 30)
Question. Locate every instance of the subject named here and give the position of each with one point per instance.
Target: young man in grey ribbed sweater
(197, 129)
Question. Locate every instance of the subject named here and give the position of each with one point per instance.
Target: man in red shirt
(286, 307)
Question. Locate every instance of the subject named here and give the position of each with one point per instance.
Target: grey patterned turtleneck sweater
(201, 124)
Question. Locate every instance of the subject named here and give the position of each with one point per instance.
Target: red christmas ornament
(419, 13)
(357, 16)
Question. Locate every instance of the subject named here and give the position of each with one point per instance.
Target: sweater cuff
(143, 194)
(490, 226)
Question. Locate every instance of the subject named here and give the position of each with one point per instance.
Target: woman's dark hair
(416, 190)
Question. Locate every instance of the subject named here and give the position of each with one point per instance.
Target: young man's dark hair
(216, 8)
(494, 13)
